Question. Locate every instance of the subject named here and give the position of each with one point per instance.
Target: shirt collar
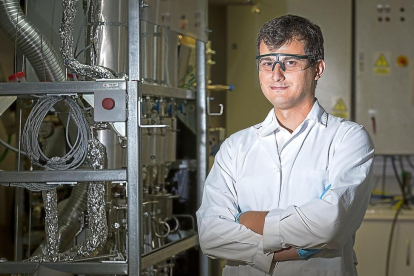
(270, 124)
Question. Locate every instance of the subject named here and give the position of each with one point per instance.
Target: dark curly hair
(284, 29)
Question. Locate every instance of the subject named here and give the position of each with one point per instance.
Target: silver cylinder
(171, 58)
(112, 35)
(153, 139)
(69, 10)
(159, 59)
(171, 139)
(145, 152)
(147, 51)
(160, 149)
(116, 155)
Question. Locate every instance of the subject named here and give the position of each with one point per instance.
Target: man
(286, 196)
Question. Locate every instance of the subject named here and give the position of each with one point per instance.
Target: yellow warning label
(341, 114)
(382, 71)
(340, 105)
(382, 61)
(382, 67)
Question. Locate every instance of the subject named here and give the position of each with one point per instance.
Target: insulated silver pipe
(37, 49)
(69, 223)
(69, 8)
(201, 100)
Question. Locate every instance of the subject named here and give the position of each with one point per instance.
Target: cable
(394, 221)
(403, 202)
(77, 153)
(409, 162)
(384, 174)
(396, 174)
(83, 50)
(6, 150)
(401, 164)
(7, 145)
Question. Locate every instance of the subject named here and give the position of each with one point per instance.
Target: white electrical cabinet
(384, 59)
(372, 238)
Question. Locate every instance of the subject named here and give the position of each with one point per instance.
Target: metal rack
(134, 90)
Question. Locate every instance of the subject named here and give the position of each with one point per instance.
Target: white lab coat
(250, 174)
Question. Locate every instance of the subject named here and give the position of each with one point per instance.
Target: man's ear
(319, 69)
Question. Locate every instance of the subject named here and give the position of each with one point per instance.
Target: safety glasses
(287, 62)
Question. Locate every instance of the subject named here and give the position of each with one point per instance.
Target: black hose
(394, 221)
(402, 184)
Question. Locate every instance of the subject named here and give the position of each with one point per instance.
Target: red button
(108, 103)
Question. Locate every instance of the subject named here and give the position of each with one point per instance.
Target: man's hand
(254, 220)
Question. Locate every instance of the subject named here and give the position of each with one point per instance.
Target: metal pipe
(201, 100)
(19, 197)
(51, 226)
(44, 59)
(134, 188)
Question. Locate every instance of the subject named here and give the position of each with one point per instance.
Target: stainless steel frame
(103, 268)
(202, 157)
(89, 87)
(62, 176)
(133, 87)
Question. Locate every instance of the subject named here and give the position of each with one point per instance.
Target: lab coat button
(277, 169)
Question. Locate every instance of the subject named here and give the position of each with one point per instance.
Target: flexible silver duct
(51, 224)
(96, 212)
(69, 222)
(69, 10)
(46, 63)
(36, 48)
(97, 225)
(50, 249)
(96, 209)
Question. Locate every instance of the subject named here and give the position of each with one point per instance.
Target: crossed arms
(275, 235)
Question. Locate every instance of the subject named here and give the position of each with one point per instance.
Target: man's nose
(278, 73)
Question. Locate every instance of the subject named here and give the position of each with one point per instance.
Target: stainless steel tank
(107, 28)
(116, 154)
(147, 51)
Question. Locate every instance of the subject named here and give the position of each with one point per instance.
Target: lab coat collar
(270, 124)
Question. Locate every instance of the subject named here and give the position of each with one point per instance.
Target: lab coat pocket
(306, 185)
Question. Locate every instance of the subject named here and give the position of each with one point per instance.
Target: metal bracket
(208, 108)
(139, 118)
(144, 5)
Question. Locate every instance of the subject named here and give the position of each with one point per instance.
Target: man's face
(293, 89)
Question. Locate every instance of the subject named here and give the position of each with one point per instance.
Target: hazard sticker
(340, 106)
(381, 65)
(340, 109)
